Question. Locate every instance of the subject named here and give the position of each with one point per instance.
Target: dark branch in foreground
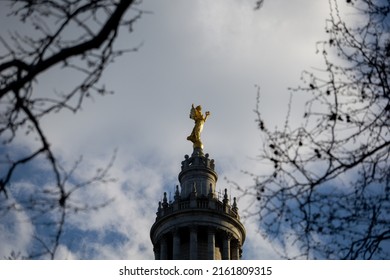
(76, 36)
(328, 192)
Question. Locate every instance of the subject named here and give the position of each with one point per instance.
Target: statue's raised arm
(197, 116)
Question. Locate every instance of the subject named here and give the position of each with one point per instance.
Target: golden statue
(197, 116)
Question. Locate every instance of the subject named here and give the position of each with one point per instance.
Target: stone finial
(165, 201)
(234, 208)
(225, 198)
(177, 193)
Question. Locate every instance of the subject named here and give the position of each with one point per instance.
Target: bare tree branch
(68, 35)
(328, 192)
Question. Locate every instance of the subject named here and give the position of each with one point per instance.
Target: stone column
(211, 244)
(176, 244)
(235, 249)
(193, 243)
(226, 246)
(163, 248)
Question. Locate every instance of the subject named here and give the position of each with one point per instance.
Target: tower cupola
(198, 223)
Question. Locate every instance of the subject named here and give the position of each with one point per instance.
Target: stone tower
(198, 224)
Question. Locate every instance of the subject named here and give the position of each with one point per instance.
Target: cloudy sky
(211, 53)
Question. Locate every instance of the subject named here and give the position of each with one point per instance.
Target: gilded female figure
(197, 116)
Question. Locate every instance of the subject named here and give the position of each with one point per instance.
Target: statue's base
(198, 151)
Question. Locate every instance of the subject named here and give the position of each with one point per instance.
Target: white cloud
(16, 230)
(63, 253)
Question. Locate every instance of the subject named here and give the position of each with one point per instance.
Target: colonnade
(198, 243)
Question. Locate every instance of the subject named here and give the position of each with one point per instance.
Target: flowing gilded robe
(197, 116)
